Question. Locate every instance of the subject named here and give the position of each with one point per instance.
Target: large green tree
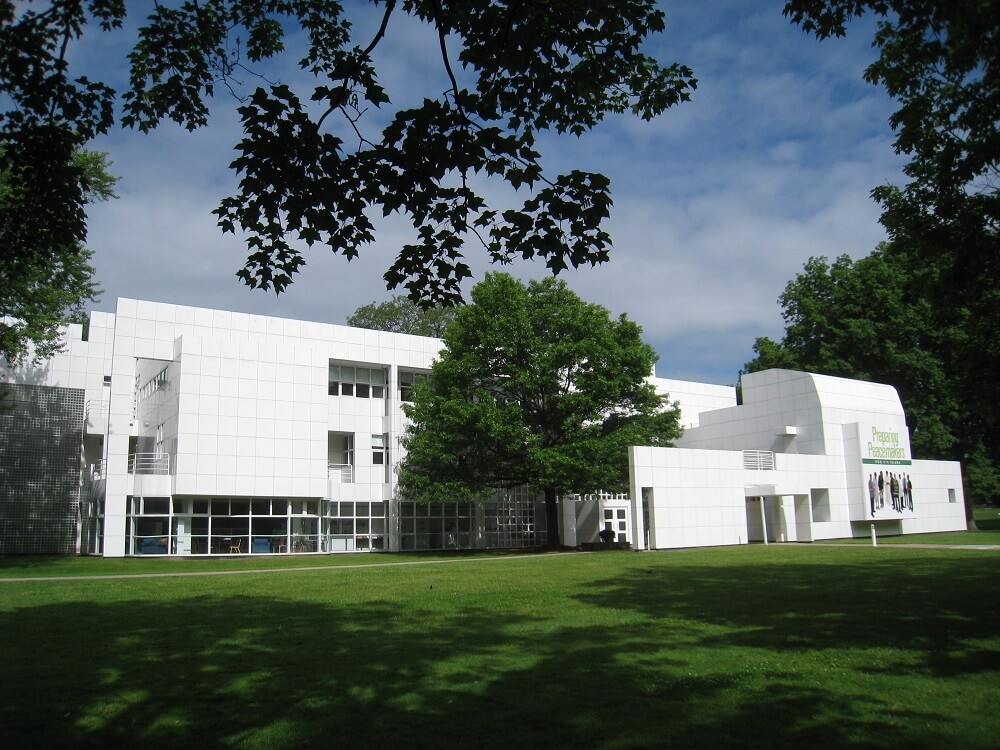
(941, 62)
(871, 319)
(534, 387)
(46, 279)
(400, 314)
(315, 161)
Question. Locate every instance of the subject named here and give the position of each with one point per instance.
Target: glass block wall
(41, 438)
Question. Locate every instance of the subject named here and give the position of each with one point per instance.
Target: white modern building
(171, 430)
(805, 457)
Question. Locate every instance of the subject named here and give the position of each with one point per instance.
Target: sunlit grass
(779, 646)
(987, 536)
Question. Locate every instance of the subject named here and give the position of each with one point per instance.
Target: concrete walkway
(246, 571)
(121, 576)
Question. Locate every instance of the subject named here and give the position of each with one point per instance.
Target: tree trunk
(552, 523)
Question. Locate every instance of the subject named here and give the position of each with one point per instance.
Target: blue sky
(718, 202)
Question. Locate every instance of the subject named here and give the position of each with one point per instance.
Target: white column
(638, 521)
(763, 518)
(567, 514)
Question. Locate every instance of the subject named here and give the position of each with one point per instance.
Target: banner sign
(885, 446)
(887, 487)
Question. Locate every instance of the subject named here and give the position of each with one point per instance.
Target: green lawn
(987, 517)
(785, 646)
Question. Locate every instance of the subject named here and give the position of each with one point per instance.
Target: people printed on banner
(898, 488)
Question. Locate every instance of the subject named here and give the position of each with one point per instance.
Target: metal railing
(341, 473)
(96, 470)
(148, 463)
(758, 460)
(601, 496)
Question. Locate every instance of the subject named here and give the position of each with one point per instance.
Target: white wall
(697, 497)
(695, 398)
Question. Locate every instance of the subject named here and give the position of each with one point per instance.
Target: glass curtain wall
(354, 527)
(437, 526)
(222, 526)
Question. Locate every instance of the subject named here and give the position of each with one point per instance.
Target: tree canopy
(873, 320)
(941, 62)
(47, 279)
(315, 161)
(534, 387)
(400, 314)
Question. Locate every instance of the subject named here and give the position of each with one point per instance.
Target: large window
(406, 382)
(359, 382)
(148, 525)
(222, 525)
(355, 526)
(436, 525)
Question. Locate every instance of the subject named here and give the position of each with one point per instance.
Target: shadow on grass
(259, 671)
(930, 606)
(256, 672)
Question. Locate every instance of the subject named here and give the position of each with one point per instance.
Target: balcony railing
(758, 460)
(149, 463)
(96, 470)
(341, 473)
